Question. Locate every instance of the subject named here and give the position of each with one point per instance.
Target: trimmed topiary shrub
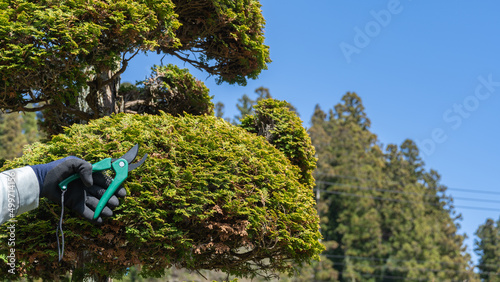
(210, 196)
(281, 127)
(169, 89)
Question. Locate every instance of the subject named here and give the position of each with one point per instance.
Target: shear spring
(60, 249)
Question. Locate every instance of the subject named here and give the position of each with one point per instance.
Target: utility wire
(403, 201)
(412, 202)
(394, 182)
(404, 192)
(475, 191)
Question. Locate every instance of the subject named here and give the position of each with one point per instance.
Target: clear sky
(425, 70)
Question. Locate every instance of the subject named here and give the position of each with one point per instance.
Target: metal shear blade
(130, 156)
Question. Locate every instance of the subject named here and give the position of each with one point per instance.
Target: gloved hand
(82, 194)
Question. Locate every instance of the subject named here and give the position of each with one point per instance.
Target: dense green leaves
(168, 89)
(488, 248)
(382, 212)
(11, 138)
(16, 131)
(70, 54)
(47, 46)
(228, 36)
(283, 128)
(210, 196)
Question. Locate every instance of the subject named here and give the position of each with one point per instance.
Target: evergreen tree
(419, 230)
(30, 127)
(488, 248)
(12, 138)
(219, 109)
(210, 196)
(347, 154)
(387, 214)
(245, 106)
(262, 93)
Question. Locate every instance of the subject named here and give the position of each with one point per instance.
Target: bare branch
(196, 64)
(134, 103)
(131, 57)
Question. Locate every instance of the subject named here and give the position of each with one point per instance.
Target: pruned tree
(67, 57)
(240, 208)
(210, 196)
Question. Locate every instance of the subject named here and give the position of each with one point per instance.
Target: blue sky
(428, 71)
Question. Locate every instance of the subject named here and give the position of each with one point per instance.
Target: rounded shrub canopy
(210, 196)
(281, 127)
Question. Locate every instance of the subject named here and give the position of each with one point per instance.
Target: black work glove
(83, 194)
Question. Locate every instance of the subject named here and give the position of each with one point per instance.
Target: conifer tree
(219, 109)
(30, 127)
(12, 138)
(347, 154)
(245, 107)
(488, 248)
(262, 93)
(387, 214)
(419, 228)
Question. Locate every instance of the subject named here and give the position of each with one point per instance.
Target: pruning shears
(121, 167)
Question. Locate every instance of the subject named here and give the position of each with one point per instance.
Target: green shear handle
(120, 166)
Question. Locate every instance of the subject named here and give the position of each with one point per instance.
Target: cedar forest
(254, 196)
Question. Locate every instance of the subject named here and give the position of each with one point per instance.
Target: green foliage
(210, 196)
(488, 248)
(30, 127)
(262, 93)
(16, 131)
(245, 106)
(229, 32)
(12, 139)
(283, 128)
(318, 270)
(168, 89)
(388, 216)
(47, 46)
(67, 54)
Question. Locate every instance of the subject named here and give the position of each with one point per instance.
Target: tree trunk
(108, 94)
(102, 97)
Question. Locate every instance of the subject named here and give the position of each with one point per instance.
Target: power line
(403, 201)
(404, 192)
(440, 202)
(475, 191)
(394, 182)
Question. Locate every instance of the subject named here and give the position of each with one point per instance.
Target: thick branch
(134, 103)
(122, 69)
